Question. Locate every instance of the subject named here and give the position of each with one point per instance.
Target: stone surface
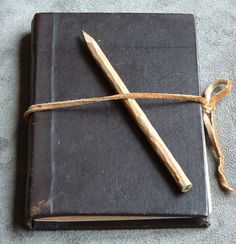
(216, 35)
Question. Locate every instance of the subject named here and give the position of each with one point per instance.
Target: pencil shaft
(139, 116)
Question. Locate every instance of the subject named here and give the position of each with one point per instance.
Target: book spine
(30, 123)
(40, 175)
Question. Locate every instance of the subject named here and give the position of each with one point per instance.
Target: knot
(213, 97)
(206, 108)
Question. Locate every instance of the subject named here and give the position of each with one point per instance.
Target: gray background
(216, 34)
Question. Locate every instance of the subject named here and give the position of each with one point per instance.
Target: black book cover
(90, 167)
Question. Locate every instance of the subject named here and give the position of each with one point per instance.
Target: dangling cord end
(222, 179)
(209, 121)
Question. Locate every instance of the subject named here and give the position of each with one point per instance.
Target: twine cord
(208, 102)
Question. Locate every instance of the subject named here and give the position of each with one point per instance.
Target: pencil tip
(87, 37)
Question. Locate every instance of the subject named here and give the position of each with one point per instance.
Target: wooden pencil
(139, 116)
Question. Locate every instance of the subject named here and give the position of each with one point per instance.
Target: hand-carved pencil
(142, 121)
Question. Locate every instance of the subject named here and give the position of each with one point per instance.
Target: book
(90, 167)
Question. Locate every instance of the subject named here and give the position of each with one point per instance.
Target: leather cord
(208, 101)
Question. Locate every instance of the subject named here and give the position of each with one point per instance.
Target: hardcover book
(90, 167)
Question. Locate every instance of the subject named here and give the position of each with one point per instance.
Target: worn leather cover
(94, 160)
